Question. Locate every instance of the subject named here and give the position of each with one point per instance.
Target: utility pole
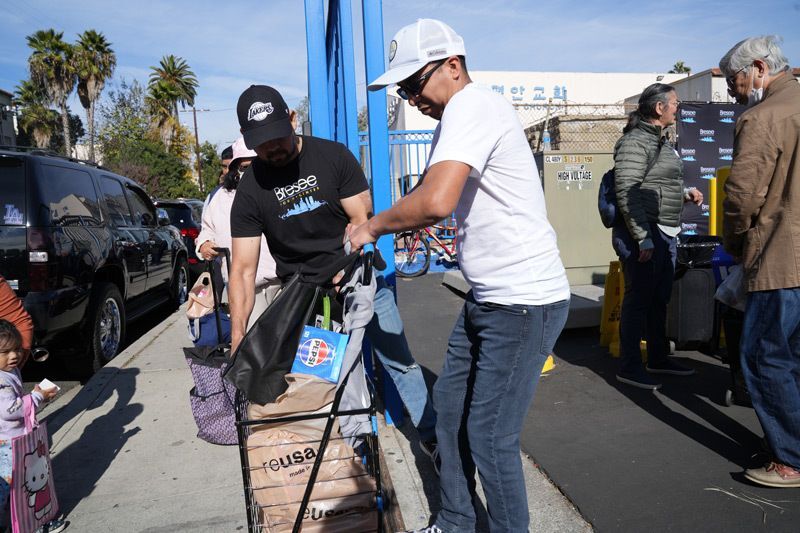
(197, 153)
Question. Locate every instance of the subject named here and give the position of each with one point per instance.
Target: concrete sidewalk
(126, 458)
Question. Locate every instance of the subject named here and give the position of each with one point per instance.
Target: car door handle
(151, 241)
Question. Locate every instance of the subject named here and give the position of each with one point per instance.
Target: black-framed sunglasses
(409, 88)
(730, 80)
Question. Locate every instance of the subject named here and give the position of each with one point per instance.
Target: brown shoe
(774, 475)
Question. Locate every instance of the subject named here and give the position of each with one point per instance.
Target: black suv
(186, 215)
(84, 249)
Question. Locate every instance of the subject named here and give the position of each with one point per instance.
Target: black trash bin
(690, 315)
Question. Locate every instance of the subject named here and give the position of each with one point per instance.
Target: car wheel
(108, 325)
(179, 285)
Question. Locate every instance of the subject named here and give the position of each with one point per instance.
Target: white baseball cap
(416, 45)
(240, 151)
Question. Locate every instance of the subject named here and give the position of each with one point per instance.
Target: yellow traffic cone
(549, 364)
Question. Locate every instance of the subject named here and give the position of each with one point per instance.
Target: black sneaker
(431, 449)
(53, 526)
(638, 379)
(668, 366)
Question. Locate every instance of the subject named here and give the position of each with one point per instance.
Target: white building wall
(533, 89)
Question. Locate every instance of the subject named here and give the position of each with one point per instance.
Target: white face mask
(756, 95)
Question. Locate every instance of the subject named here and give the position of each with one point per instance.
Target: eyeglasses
(730, 80)
(413, 88)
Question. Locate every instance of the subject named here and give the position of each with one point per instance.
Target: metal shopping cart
(320, 470)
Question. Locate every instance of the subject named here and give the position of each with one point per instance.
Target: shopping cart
(341, 491)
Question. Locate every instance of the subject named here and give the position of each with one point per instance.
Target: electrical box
(571, 180)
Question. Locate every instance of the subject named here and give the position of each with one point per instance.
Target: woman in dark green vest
(650, 196)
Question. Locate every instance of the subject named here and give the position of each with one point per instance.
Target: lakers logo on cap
(259, 111)
(392, 49)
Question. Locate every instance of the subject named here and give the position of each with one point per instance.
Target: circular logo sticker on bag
(392, 49)
(314, 352)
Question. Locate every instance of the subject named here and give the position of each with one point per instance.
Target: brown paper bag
(340, 506)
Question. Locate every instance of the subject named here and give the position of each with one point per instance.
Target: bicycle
(412, 249)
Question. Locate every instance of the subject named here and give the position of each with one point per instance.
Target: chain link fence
(573, 127)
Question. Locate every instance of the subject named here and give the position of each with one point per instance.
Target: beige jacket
(762, 204)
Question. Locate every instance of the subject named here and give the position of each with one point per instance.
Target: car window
(70, 196)
(12, 191)
(144, 214)
(179, 215)
(197, 212)
(115, 200)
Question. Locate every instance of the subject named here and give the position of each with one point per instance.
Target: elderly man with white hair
(761, 228)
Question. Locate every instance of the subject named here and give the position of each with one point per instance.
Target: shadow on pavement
(81, 463)
(721, 434)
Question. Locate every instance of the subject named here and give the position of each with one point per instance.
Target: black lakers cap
(263, 115)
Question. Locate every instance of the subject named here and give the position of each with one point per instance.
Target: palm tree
(95, 62)
(35, 117)
(160, 100)
(680, 68)
(52, 66)
(175, 72)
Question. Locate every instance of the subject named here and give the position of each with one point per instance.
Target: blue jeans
(385, 332)
(648, 287)
(494, 359)
(770, 352)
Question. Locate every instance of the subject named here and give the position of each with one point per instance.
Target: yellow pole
(712, 206)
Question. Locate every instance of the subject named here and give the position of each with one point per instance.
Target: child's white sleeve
(11, 407)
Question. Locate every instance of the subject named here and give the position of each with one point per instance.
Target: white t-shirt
(506, 246)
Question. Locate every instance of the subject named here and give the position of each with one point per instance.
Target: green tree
(36, 120)
(124, 120)
(212, 165)
(132, 147)
(363, 119)
(680, 68)
(76, 131)
(175, 72)
(302, 110)
(51, 65)
(162, 174)
(161, 97)
(95, 62)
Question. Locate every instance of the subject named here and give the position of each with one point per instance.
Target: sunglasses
(730, 80)
(409, 88)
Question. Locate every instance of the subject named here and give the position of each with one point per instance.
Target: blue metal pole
(349, 77)
(319, 106)
(379, 165)
(378, 127)
(341, 75)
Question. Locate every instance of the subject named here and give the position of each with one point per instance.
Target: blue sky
(232, 44)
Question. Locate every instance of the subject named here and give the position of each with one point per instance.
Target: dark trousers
(770, 348)
(648, 287)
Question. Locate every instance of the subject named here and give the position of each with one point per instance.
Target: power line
(206, 110)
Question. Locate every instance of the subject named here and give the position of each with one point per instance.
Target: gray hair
(767, 48)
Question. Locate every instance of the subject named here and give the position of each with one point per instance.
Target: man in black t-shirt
(301, 193)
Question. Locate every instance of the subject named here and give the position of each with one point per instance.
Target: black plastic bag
(267, 351)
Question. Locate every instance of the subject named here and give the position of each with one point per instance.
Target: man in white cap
(481, 166)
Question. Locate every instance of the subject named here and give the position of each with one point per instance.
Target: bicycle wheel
(412, 254)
